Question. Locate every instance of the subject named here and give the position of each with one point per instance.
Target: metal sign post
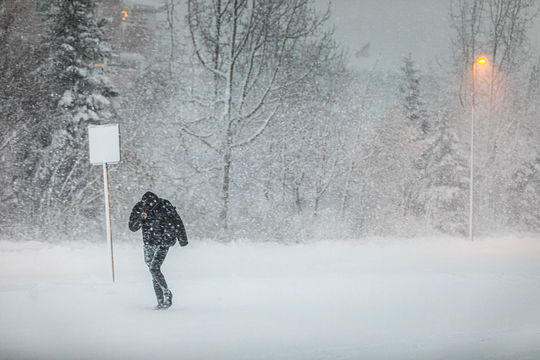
(108, 215)
(104, 147)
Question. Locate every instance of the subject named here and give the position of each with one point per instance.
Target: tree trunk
(227, 162)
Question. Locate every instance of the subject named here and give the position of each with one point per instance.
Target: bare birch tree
(244, 48)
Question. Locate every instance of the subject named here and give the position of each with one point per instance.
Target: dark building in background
(133, 31)
(135, 27)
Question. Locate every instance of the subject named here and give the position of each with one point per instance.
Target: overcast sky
(393, 28)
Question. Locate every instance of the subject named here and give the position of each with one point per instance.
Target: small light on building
(99, 65)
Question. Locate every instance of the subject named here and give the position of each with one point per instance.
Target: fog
(390, 30)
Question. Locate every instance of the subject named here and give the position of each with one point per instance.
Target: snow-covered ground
(377, 299)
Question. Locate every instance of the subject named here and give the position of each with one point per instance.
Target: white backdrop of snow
(384, 299)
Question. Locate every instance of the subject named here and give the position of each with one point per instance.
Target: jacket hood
(150, 198)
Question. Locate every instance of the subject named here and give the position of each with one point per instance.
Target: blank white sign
(104, 144)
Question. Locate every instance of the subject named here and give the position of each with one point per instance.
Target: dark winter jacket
(162, 225)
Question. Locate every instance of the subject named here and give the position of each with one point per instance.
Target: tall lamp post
(480, 61)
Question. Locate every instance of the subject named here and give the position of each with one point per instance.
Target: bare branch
(201, 138)
(259, 131)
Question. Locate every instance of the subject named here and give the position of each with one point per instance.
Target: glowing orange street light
(480, 61)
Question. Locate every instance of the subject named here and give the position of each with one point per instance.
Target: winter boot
(167, 299)
(159, 306)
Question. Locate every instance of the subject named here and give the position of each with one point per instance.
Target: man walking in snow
(161, 227)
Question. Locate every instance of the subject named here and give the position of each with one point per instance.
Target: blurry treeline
(248, 117)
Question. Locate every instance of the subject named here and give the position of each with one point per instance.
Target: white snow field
(366, 299)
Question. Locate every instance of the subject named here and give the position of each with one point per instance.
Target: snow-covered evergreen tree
(525, 204)
(81, 91)
(445, 180)
(78, 51)
(521, 195)
(414, 135)
(411, 101)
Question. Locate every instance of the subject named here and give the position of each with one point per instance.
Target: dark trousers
(154, 255)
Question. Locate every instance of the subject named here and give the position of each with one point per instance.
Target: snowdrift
(378, 299)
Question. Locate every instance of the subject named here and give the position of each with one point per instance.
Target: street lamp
(480, 61)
